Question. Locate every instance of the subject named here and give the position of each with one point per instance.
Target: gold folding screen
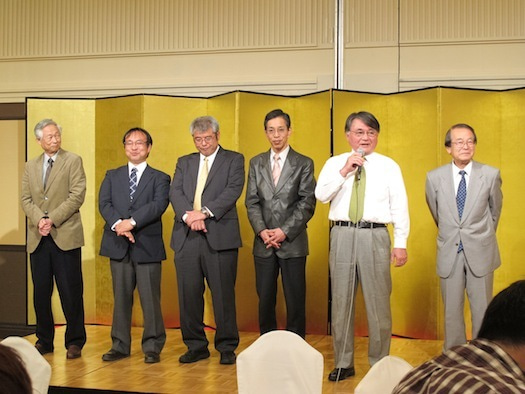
(413, 126)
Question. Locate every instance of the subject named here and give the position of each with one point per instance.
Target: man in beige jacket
(53, 189)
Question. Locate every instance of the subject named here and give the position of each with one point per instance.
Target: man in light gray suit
(280, 201)
(465, 200)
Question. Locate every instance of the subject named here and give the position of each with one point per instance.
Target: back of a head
(13, 374)
(504, 319)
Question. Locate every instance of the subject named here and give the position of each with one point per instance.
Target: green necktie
(357, 201)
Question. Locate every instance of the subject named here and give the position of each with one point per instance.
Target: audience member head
(504, 321)
(14, 377)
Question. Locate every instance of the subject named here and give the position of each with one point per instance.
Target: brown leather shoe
(73, 351)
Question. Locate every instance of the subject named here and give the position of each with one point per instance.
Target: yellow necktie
(201, 181)
(357, 201)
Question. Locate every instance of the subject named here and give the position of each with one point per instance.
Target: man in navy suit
(132, 199)
(206, 237)
(280, 201)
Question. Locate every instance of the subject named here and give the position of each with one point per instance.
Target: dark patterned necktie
(48, 171)
(132, 183)
(461, 196)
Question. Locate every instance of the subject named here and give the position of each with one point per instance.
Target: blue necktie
(132, 182)
(461, 196)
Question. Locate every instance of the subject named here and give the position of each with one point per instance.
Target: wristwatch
(205, 211)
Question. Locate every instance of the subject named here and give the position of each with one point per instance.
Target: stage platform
(90, 374)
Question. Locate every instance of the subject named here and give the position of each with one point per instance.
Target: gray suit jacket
(61, 200)
(221, 192)
(289, 205)
(149, 203)
(477, 228)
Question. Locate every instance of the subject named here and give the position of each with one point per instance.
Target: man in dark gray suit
(467, 253)
(280, 201)
(206, 237)
(133, 241)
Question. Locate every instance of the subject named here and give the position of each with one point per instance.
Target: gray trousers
(479, 292)
(127, 275)
(360, 256)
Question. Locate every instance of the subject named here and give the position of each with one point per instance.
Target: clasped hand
(273, 238)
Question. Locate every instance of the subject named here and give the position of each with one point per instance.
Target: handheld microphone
(361, 152)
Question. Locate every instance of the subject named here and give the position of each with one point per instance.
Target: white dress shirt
(385, 195)
(457, 176)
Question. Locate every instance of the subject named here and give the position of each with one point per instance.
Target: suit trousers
(146, 277)
(48, 261)
(479, 292)
(360, 256)
(294, 287)
(194, 263)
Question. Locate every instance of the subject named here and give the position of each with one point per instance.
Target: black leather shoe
(43, 350)
(151, 358)
(341, 374)
(113, 355)
(228, 358)
(192, 356)
(73, 351)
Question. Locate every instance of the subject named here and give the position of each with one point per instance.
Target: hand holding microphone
(354, 161)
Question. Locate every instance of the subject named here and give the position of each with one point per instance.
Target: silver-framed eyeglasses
(359, 133)
(460, 143)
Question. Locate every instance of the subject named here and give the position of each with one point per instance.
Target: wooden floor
(206, 376)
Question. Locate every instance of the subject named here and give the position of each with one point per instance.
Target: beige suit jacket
(60, 201)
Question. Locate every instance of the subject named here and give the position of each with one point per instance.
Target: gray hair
(43, 124)
(203, 123)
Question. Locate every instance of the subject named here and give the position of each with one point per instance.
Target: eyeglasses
(200, 140)
(139, 143)
(361, 133)
(280, 130)
(461, 143)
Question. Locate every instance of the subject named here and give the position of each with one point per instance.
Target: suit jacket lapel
(447, 183)
(193, 173)
(217, 164)
(57, 167)
(145, 178)
(266, 169)
(474, 187)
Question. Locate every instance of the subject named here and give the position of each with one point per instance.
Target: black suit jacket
(149, 203)
(289, 205)
(221, 192)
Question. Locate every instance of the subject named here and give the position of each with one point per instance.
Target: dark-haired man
(366, 192)
(132, 199)
(465, 200)
(280, 201)
(492, 363)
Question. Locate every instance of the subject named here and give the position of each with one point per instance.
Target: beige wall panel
(117, 27)
(372, 69)
(13, 229)
(430, 21)
(371, 23)
(77, 118)
(490, 66)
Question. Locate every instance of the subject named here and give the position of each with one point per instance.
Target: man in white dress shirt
(366, 192)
